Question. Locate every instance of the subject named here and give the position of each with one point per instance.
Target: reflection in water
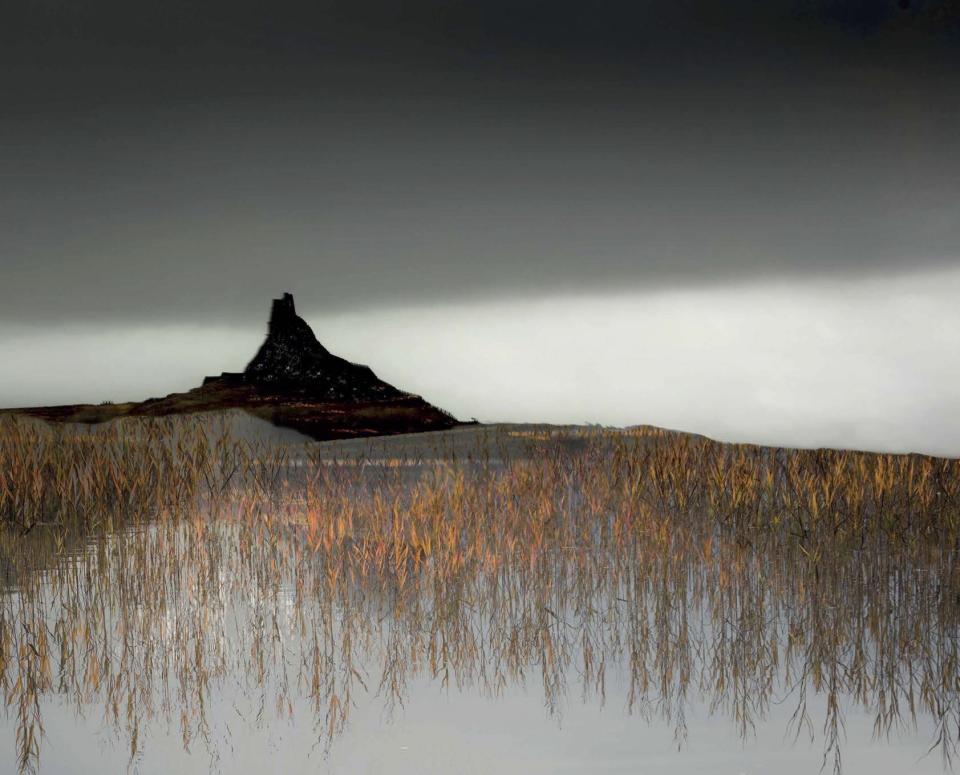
(687, 569)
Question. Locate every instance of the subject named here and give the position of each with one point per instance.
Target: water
(510, 617)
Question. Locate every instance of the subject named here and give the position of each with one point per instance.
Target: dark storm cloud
(182, 159)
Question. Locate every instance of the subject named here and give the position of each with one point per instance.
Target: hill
(294, 382)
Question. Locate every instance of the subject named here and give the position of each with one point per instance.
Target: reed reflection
(161, 563)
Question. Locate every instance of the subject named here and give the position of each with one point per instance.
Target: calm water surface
(345, 626)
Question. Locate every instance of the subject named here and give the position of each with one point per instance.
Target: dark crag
(291, 356)
(293, 381)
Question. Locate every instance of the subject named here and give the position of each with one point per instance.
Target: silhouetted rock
(292, 358)
(294, 382)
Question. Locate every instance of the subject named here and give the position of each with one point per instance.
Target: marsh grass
(148, 567)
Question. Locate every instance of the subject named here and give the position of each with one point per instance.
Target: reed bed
(128, 470)
(681, 568)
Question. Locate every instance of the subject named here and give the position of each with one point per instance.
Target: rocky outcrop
(292, 358)
(294, 382)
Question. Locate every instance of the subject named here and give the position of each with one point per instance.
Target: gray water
(310, 628)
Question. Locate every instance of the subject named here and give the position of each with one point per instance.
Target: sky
(736, 218)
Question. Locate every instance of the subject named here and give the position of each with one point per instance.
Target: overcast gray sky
(172, 166)
(173, 160)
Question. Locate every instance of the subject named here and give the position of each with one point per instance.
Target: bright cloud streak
(868, 364)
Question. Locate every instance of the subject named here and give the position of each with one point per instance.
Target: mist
(863, 364)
